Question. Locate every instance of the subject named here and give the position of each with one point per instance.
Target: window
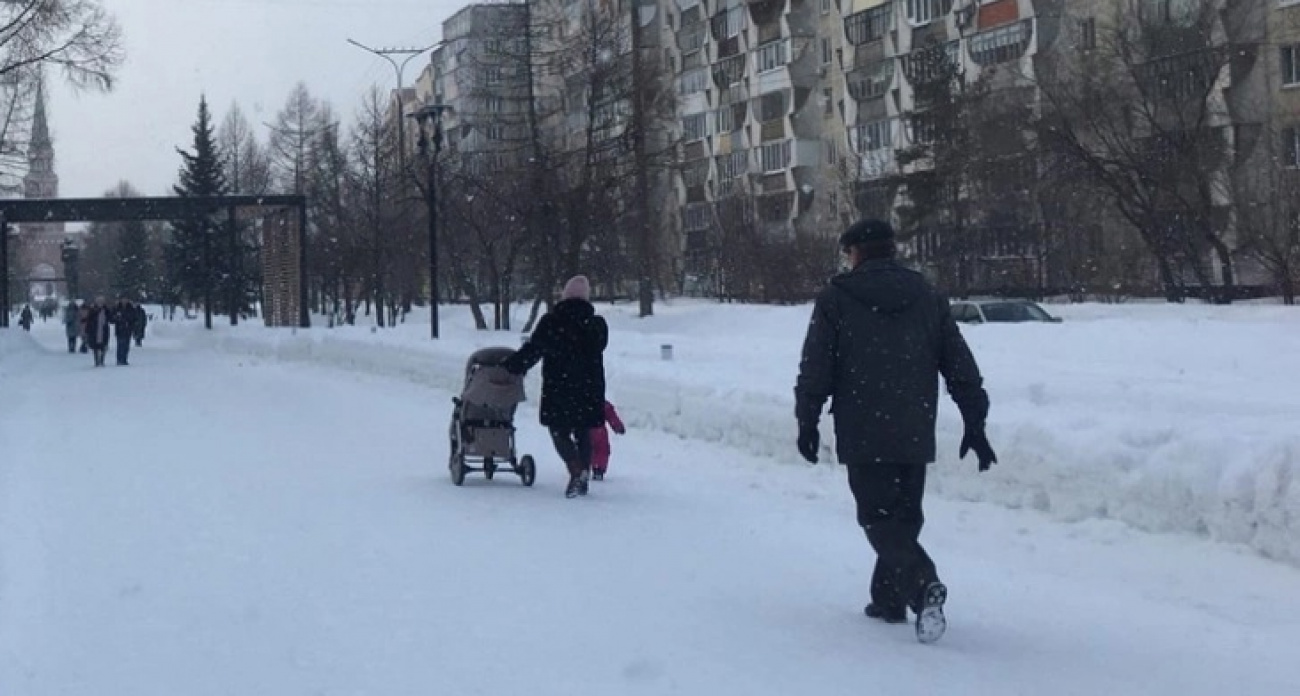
(729, 23)
(1088, 34)
(494, 47)
(869, 25)
(1291, 64)
(870, 137)
(724, 120)
(494, 105)
(774, 157)
(1001, 45)
(695, 127)
(773, 55)
(925, 11)
(695, 218)
(733, 166)
(694, 80)
(495, 132)
(492, 75)
(826, 51)
(828, 102)
(1291, 147)
(771, 106)
(871, 81)
(827, 5)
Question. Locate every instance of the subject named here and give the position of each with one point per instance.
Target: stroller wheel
(457, 465)
(527, 470)
(489, 468)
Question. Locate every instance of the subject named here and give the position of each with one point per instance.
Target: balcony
(729, 71)
(1001, 45)
(932, 64)
(691, 37)
(869, 25)
(871, 81)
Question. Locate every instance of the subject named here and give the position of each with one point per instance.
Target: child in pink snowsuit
(600, 442)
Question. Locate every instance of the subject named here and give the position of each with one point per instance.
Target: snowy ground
(205, 523)
(1171, 419)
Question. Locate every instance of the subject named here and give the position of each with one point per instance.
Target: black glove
(809, 441)
(975, 439)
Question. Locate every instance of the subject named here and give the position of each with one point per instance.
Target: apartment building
(480, 72)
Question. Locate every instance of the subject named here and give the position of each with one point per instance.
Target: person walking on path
(124, 320)
(25, 319)
(141, 322)
(879, 339)
(72, 325)
(99, 322)
(570, 342)
(600, 448)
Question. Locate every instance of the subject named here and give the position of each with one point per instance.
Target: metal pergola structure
(17, 211)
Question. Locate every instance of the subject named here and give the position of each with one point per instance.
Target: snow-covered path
(199, 524)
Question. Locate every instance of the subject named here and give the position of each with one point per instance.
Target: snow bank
(1172, 419)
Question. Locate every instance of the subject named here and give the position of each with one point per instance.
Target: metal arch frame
(143, 209)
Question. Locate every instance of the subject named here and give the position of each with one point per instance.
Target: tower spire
(40, 124)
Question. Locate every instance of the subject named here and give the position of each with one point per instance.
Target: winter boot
(571, 491)
(889, 616)
(598, 474)
(584, 479)
(930, 621)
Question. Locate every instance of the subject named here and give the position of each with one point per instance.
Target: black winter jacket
(879, 338)
(124, 321)
(570, 340)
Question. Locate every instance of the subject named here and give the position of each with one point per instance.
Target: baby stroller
(483, 420)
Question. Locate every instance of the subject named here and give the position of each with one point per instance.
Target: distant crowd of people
(92, 323)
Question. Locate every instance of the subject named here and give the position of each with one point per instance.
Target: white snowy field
(281, 522)
(206, 523)
(1168, 418)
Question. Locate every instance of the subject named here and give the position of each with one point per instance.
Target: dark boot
(888, 615)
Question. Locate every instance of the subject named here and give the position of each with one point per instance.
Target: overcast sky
(250, 51)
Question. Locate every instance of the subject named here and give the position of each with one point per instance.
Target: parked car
(1000, 311)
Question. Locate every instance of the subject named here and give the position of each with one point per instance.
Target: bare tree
(78, 36)
(1144, 114)
(1268, 210)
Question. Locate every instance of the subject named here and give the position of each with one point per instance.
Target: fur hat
(578, 288)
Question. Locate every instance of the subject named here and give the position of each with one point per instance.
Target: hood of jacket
(883, 286)
(576, 309)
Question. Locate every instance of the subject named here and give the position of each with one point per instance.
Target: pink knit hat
(578, 288)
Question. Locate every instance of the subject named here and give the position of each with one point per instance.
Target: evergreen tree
(134, 273)
(196, 259)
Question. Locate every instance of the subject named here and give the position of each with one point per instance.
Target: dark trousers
(123, 349)
(574, 447)
(889, 500)
(72, 344)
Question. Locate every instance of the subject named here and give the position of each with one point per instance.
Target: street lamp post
(71, 271)
(429, 117)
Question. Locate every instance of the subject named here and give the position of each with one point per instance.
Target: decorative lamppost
(429, 117)
(71, 271)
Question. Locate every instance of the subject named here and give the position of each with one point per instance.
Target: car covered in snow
(1000, 311)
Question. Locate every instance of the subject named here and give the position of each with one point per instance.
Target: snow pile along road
(1171, 419)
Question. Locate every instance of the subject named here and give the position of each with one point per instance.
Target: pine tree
(195, 257)
(134, 272)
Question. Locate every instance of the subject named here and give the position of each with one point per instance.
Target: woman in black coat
(570, 341)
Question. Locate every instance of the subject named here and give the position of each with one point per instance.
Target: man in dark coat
(25, 319)
(570, 340)
(72, 325)
(879, 339)
(124, 322)
(141, 322)
(99, 322)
